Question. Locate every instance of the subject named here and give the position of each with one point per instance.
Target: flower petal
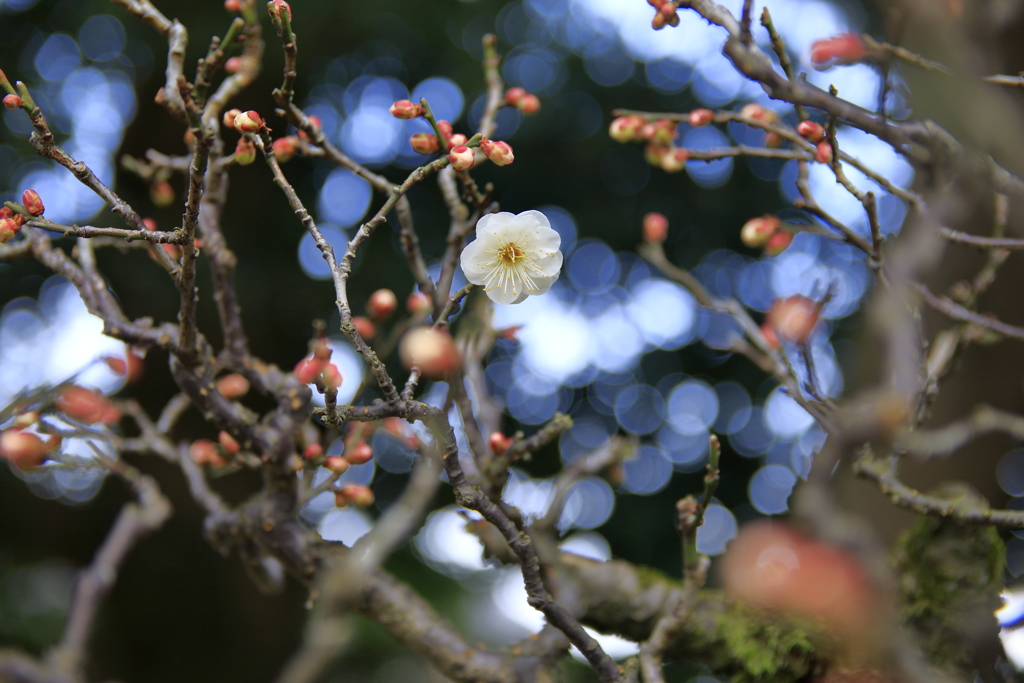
(550, 264)
(505, 296)
(495, 225)
(544, 284)
(474, 261)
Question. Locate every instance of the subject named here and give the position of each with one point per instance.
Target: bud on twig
(233, 386)
(406, 109)
(810, 130)
(778, 242)
(462, 158)
(279, 7)
(229, 117)
(847, 48)
(365, 327)
(228, 443)
(357, 494)
(701, 117)
(382, 304)
(513, 95)
(336, 464)
(24, 450)
(757, 231)
(245, 152)
(360, 453)
(313, 452)
(823, 153)
(758, 112)
(499, 443)
(233, 65)
(457, 139)
(529, 104)
(86, 405)
(248, 122)
(655, 227)
(233, 5)
(793, 318)
(432, 351)
(285, 148)
(424, 143)
(626, 128)
(12, 101)
(9, 227)
(500, 153)
(418, 302)
(674, 160)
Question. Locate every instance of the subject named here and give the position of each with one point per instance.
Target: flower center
(510, 254)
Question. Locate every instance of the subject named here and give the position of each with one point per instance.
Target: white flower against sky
(513, 256)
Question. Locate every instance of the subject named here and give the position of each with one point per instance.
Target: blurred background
(621, 349)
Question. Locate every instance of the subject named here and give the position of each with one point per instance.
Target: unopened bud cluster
(528, 103)
(846, 48)
(318, 370)
(658, 134)
(11, 219)
(666, 14)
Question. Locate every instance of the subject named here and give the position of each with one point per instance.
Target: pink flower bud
(365, 327)
(499, 443)
(233, 5)
(161, 194)
(809, 130)
(668, 9)
(382, 304)
(357, 494)
(229, 117)
(655, 227)
(9, 227)
(793, 318)
(778, 242)
(279, 7)
(321, 351)
(285, 148)
(406, 109)
(12, 101)
(307, 370)
(757, 231)
(662, 131)
(24, 450)
(654, 152)
(773, 140)
(418, 302)
(846, 48)
(675, 160)
(432, 351)
(462, 158)
(228, 443)
(500, 153)
(529, 104)
(759, 113)
(659, 21)
(233, 65)
(313, 452)
(359, 453)
(245, 152)
(232, 386)
(513, 95)
(315, 123)
(336, 464)
(701, 117)
(204, 452)
(823, 152)
(445, 128)
(330, 377)
(86, 406)
(248, 122)
(424, 143)
(625, 128)
(457, 139)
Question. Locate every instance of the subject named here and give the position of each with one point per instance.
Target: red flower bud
(432, 351)
(626, 128)
(759, 113)
(161, 194)
(847, 48)
(279, 7)
(229, 117)
(405, 109)
(655, 227)
(135, 368)
(662, 131)
(500, 153)
(233, 5)
(513, 95)
(285, 148)
(823, 153)
(365, 327)
(204, 452)
(773, 140)
(245, 152)
(701, 117)
(360, 453)
(85, 405)
(675, 160)
(418, 302)
(445, 128)
(529, 104)
(228, 443)
(9, 227)
(668, 9)
(457, 139)
(757, 231)
(233, 386)
(233, 65)
(424, 143)
(315, 123)
(336, 464)
(12, 101)
(248, 122)
(499, 443)
(24, 450)
(308, 369)
(462, 158)
(321, 351)
(659, 21)
(382, 304)
(654, 152)
(330, 377)
(778, 242)
(793, 318)
(357, 494)
(809, 130)
(314, 451)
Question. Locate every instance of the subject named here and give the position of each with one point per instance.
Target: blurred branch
(955, 311)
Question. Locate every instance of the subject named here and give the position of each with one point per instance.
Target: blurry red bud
(86, 405)
(285, 148)
(12, 101)
(233, 65)
(381, 304)
(793, 318)
(365, 327)
(778, 242)
(418, 302)
(314, 451)
(846, 48)
(655, 227)
(307, 370)
(424, 143)
(499, 443)
(701, 117)
(233, 386)
(810, 130)
(228, 443)
(405, 109)
(336, 464)
(513, 95)
(161, 194)
(359, 453)
(357, 494)
(529, 104)
(823, 152)
(432, 351)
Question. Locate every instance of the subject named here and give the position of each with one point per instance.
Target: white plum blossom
(513, 256)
